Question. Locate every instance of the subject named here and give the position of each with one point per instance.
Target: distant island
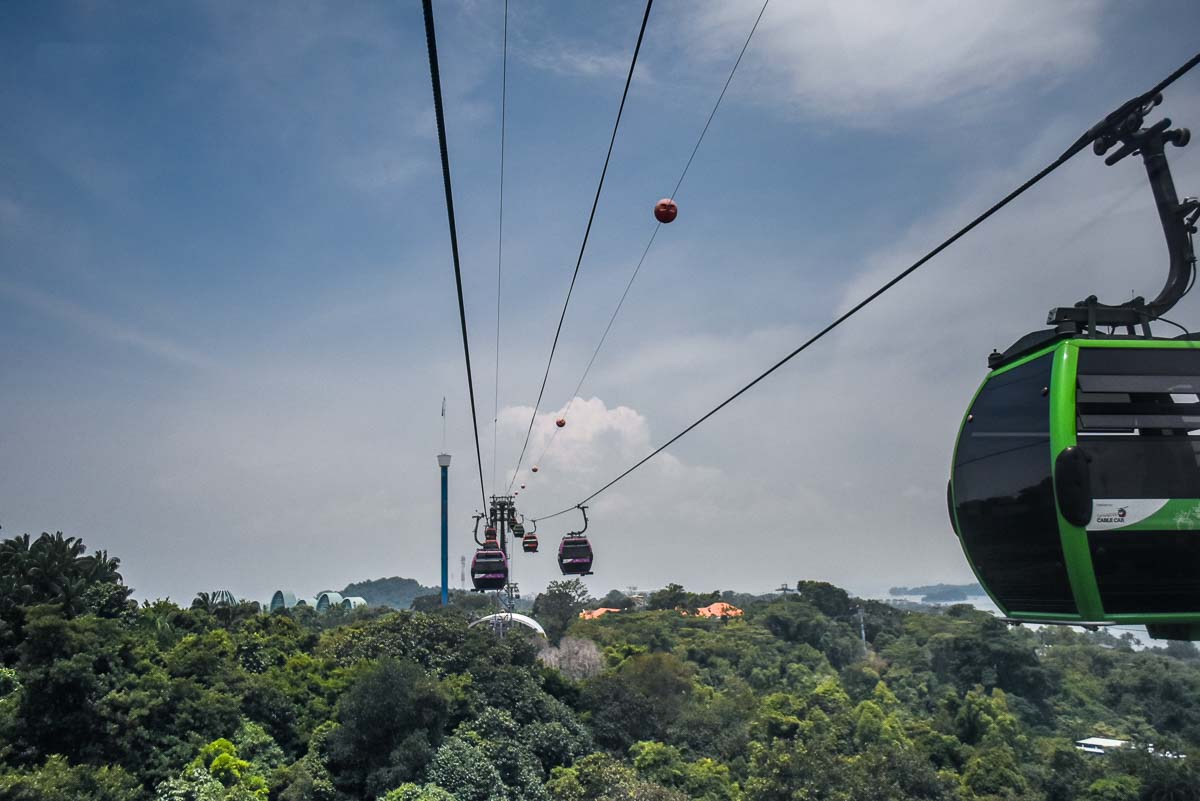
(396, 592)
(941, 593)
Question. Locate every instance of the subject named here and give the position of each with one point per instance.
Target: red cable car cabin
(529, 543)
(575, 555)
(489, 569)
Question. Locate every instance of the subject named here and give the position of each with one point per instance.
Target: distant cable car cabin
(560, 422)
(575, 551)
(1075, 480)
(575, 555)
(529, 543)
(534, 468)
(489, 569)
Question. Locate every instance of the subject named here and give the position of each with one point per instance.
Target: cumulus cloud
(102, 326)
(573, 59)
(860, 61)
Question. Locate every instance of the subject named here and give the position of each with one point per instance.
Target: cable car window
(1005, 495)
(1146, 572)
(1010, 412)
(1138, 414)
(1143, 466)
(1136, 411)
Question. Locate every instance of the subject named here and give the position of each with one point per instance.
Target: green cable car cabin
(1075, 488)
(1075, 480)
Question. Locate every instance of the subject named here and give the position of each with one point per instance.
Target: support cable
(587, 232)
(1083, 141)
(435, 78)
(500, 246)
(654, 233)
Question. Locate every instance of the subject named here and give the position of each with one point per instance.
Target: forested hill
(105, 700)
(396, 592)
(941, 593)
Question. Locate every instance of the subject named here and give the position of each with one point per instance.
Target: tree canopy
(105, 700)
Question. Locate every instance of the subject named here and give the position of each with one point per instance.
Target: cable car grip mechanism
(1124, 128)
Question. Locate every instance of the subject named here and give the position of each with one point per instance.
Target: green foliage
(56, 780)
(1114, 788)
(424, 792)
(615, 599)
(220, 773)
(469, 605)
(396, 592)
(600, 777)
(391, 719)
(639, 701)
(57, 571)
(830, 600)
(463, 768)
(703, 780)
(559, 606)
(674, 596)
(100, 700)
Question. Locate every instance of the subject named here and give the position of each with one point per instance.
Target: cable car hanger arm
(1124, 127)
(479, 516)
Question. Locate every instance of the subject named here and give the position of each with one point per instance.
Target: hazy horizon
(228, 306)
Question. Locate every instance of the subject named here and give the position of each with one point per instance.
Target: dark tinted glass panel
(1004, 495)
(1143, 466)
(1140, 361)
(1136, 408)
(1147, 571)
(1011, 412)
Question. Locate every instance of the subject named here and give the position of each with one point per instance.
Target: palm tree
(205, 601)
(100, 567)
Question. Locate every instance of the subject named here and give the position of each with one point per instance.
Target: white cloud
(104, 327)
(383, 170)
(574, 59)
(861, 61)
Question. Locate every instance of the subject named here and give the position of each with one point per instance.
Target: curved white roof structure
(512, 617)
(328, 600)
(282, 599)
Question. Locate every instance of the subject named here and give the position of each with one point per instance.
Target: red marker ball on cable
(665, 210)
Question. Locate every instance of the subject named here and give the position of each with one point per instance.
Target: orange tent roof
(719, 609)
(592, 614)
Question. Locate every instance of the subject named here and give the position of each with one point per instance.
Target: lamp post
(444, 464)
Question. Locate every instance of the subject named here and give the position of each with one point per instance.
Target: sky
(227, 302)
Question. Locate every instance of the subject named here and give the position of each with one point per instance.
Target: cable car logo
(1124, 512)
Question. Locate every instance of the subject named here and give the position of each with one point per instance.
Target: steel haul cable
(587, 232)
(1083, 141)
(500, 244)
(435, 78)
(654, 233)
